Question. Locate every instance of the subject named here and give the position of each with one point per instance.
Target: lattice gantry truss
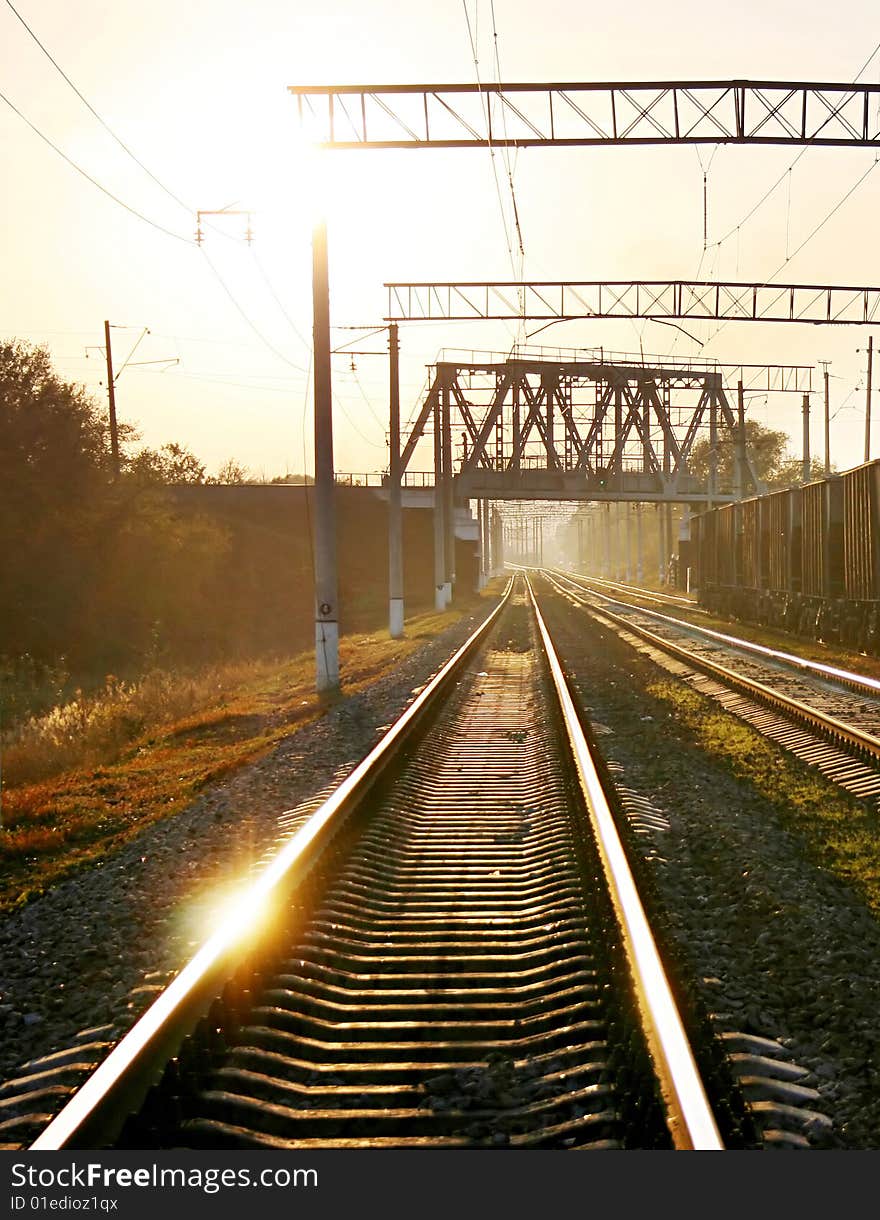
(526, 115)
(579, 431)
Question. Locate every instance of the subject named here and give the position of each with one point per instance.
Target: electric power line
(92, 109)
(88, 176)
(246, 318)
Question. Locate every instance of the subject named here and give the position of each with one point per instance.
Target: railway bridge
(591, 428)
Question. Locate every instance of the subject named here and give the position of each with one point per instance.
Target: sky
(198, 93)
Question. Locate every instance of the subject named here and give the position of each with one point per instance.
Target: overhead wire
(125, 148)
(173, 196)
(366, 439)
(771, 190)
(768, 283)
(484, 98)
(510, 168)
(134, 212)
(786, 174)
(265, 276)
(272, 348)
(92, 109)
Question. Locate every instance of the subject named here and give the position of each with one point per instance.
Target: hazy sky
(198, 91)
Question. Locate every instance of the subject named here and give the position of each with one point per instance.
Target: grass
(841, 832)
(86, 777)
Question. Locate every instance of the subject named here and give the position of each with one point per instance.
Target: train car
(806, 559)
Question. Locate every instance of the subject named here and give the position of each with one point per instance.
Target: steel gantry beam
(563, 300)
(586, 113)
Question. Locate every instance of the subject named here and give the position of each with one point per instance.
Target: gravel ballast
(780, 948)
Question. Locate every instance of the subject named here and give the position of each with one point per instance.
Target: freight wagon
(806, 559)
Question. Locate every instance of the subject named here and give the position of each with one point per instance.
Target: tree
(170, 464)
(232, 472)
(55, 468)
(766, 447)
(298, 479)
(790, 473)
(54, 438)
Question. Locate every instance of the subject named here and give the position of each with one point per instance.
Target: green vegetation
(768, 448)
(841, 832)
(100, 574)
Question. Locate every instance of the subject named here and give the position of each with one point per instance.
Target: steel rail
(864, 745)
(689, 1117)
(845, 677)
(663, 599)
(95, 1114)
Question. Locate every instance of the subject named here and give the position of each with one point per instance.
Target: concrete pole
(606, 518)
(580, 550)
(661, 546)
(713, 448)
(640, 567)
(485, 565)
(684, 535)
(827, 426)
(617, 544)
(439, 523)
(326, 607)
(395, 510)
(739, 465)
(805, 468)
(628, 570)
(448, 505)
(868, 400)
(669, 543)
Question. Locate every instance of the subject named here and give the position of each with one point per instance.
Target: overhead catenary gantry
(539, 115)
(576, 113)
(695, 300)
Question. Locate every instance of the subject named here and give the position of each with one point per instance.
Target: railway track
(829, 718)
(450, 952)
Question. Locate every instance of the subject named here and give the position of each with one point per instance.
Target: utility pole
(825, 364)
(326, 607)
(448, 501)
(739, 473)
(805, 469)
(868, 400)
(113, 376)
(395, 516)
(111, 395)
(439, 521)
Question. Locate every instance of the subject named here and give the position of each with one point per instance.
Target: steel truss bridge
(588, 430)
(820, 304)
(586, 113)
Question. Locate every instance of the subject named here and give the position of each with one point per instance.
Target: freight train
(806, 559)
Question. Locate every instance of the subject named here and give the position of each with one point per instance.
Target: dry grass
(87, 776)
(95, 728)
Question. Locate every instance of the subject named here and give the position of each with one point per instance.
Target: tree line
(103, 573)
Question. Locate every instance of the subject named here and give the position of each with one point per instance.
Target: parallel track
(797, 703)
(454, 965)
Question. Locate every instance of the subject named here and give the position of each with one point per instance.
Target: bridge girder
(580, 430)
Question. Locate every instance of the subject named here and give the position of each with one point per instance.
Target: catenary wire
(89, 178)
